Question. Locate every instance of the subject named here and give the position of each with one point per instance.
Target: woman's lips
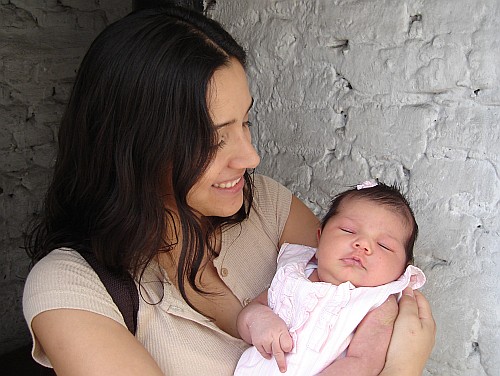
(227, 184)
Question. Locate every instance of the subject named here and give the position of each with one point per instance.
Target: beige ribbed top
(182, 341)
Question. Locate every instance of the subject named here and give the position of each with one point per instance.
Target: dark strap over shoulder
(122, 289)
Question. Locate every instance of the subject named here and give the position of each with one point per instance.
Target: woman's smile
(227, 184)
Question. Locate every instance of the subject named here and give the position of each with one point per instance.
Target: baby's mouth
(356, 261)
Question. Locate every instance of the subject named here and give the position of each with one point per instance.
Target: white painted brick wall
(414, 97)
(401, 90)
(41, 45)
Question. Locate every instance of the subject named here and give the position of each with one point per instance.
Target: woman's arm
(301, 226)
(83, 343)
(411, 342)
(413, 337)
(367, 351)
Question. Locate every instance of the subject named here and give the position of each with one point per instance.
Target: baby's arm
(260, 326)
(367, 351)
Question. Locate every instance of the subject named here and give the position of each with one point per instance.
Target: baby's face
(364, 244)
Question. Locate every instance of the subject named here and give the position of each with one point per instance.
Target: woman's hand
(413, 336)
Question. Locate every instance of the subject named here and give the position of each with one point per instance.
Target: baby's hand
(269, 334)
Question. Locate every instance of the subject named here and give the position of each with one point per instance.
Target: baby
(365, 248)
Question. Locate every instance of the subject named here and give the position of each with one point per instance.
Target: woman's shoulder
(266, 181)
(63, 279)
(56, 264)
(268, 189)
(272, 200)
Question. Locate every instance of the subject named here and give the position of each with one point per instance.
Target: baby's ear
(318, 233)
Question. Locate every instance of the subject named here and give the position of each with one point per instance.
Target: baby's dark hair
(388, 196)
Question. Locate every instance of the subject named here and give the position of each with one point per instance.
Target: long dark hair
(138, 116)
(389, 196)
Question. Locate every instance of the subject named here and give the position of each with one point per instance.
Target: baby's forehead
(398, 210)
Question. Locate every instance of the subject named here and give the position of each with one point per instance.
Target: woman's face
(219, 192)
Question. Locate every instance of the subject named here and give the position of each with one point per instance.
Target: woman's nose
(245, 155)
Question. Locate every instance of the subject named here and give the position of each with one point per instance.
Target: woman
(151, 176)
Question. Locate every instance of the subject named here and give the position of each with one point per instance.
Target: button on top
(246, 301)
(224, 272)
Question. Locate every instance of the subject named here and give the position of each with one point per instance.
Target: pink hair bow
(367, 184)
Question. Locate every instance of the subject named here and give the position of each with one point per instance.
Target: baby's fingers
(278, 352)
(286, 342)
(265, 352)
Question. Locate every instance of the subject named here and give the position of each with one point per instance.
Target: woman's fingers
(413, 337)
(414, 305)
(425, 312)
(424, 308)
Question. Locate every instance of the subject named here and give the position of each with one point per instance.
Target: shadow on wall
(20, 363)
(194, 4)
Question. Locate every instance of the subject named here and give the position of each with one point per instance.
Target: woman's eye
(248, 123)
(221, 142)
